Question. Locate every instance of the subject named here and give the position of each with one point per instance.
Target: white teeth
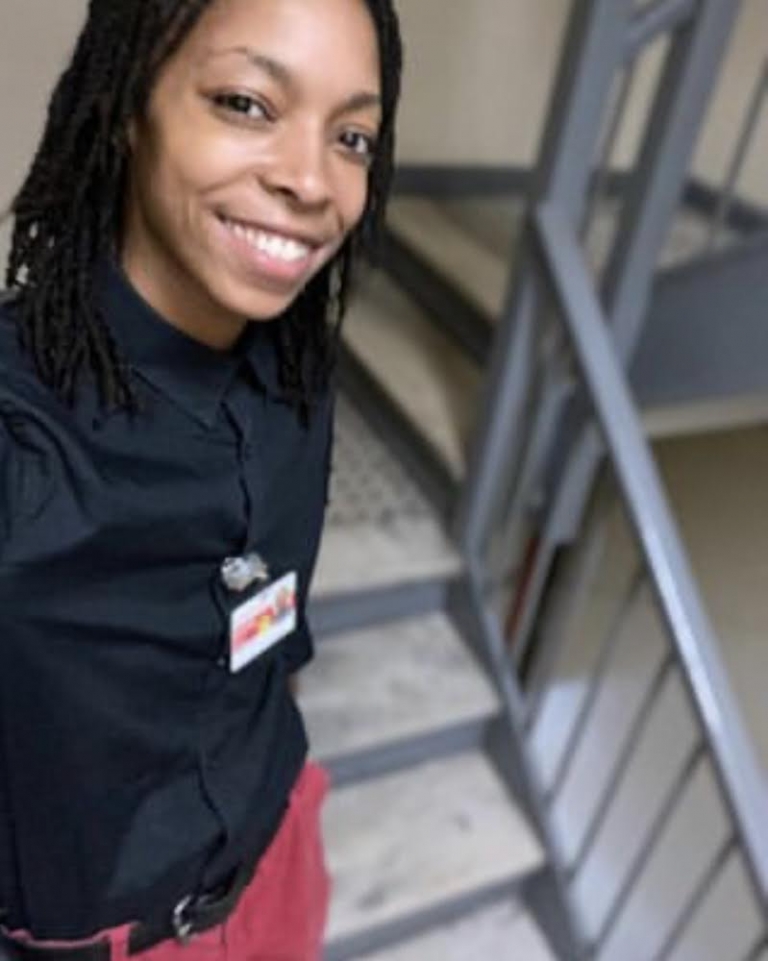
(279, 248)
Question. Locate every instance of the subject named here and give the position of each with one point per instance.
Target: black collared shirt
(134, 766)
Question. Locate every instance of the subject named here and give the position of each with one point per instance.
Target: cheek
(352, 197)
(186, 170)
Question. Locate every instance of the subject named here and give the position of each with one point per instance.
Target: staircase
(469, 819)
(427, 845)
(422, 329)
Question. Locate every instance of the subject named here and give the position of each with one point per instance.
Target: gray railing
(557, 416)
(756, 112)
(660, 581)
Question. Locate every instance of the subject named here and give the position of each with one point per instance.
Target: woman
(180, 258)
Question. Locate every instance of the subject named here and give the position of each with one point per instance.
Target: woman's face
(250, 166)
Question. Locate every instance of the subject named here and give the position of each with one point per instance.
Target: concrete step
(380, 529)
(474, 241)
(434, 384)
(479, 270)
(406, 679)
(401, 845)
(503, 932)
(426, 376)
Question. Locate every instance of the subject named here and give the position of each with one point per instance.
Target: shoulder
(13, 361)
(24, 398)
(17, 369)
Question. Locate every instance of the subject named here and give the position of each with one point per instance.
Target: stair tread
(371, 687)
(479, 273)
(403, 843)
(380, 529)
(430, 379)
(367, 556)
(473, 240)
(502, 932)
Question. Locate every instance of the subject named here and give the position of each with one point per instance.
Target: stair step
(426, 375)
(473, 241)
(431, 381)
(384, 684)
(480, 273)
(404, 843)
(503, 932)
(380, 529)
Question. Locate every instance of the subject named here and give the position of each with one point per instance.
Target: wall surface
(477, 84)
(480, 73)
(35, 39)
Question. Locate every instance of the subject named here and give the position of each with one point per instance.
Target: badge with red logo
(262, 621)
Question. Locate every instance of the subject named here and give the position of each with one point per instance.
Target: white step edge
(409, 841)
(404, 550)
(432, 380)
(367, 688)
(480, 274)
(503, 932)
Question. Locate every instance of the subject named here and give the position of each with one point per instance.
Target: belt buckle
(183, 927)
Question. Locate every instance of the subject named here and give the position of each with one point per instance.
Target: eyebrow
(363, 100)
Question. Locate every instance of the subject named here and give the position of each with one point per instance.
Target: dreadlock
(68, 212)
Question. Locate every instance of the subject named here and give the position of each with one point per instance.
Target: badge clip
(238, 573)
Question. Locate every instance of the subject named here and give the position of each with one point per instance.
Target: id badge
(262, 621)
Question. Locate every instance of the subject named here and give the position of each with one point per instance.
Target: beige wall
(34, 39)
(477, 86)
(477, 83)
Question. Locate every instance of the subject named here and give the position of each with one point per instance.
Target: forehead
(333, 38)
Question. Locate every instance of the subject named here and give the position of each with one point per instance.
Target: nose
(298, 169)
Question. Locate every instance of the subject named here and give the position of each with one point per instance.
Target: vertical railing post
(593, 51)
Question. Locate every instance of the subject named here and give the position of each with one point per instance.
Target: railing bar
(663, 17)
(756, 952)
(736, 167)
(695, 642)
(553, 397)
(696, 899)
(597, 191)
(588, 556)
(608, 648)
(622, 765)
(652, 838)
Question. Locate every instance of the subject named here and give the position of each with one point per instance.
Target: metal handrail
(695, 642)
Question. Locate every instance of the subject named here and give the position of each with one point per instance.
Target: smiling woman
(180, 259)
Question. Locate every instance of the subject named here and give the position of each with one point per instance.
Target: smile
(280, 248)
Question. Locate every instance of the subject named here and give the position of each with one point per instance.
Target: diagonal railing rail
(694, 641)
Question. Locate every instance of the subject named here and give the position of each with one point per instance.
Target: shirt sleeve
(301, 648)
(6, 478)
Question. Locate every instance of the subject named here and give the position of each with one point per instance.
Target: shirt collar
(194, 376)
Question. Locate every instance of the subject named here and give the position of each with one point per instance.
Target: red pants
(281, 914)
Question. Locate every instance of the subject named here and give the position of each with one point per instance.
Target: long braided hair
(69, 209)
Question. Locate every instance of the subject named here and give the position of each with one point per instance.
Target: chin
(253, 304)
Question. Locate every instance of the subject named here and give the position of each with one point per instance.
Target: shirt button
(222, 662)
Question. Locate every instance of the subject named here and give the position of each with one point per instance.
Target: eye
(250, 108)
(360, 145)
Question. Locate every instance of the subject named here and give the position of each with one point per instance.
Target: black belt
(192, 915)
